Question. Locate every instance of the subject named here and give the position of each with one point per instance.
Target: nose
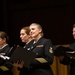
(20, 36)
(30, 31)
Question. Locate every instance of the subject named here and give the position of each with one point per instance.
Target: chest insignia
(31, 47)
(39, 46)
(50, 50)
(28, 48)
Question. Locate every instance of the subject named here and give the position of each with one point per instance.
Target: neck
(37, 38)
(1, 46)
(29, 40)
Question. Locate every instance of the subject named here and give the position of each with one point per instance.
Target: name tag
(39, 46)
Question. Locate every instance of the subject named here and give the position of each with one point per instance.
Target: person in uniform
(4, 47)
(44, 52)
(25, 38)
(4, 50)
(68, 59)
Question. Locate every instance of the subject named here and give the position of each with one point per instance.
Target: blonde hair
(39, 27)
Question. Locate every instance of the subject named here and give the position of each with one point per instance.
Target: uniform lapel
(37, 43)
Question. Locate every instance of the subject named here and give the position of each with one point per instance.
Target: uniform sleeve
(65, 61)
(48, 54)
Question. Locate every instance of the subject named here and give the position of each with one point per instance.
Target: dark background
(55, 16)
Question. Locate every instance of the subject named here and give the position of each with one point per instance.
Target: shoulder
(7, 47)
(31, 42)
(72, 46)
(46, 40)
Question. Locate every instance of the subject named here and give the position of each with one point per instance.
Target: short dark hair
(73, 25)
(4, 35)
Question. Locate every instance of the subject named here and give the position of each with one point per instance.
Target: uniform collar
(3, 46)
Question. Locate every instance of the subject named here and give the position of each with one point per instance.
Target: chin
(22, 41)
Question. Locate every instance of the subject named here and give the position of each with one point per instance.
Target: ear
(29, 36)
(40, 30)
(4, 39)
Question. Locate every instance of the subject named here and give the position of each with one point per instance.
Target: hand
(61, 57)
(19, 64)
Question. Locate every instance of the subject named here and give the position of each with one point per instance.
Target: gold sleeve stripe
(41, 60)
(4, 68)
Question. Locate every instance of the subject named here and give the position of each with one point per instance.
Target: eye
(22, 34)
(33, 28)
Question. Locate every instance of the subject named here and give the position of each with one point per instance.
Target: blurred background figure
(4, 50)
(69, 59)
(4, 47)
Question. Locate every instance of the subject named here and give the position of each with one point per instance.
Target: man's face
(74, 32)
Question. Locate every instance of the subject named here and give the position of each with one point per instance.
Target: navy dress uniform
(25, 70)
(44, 57)
(5, 67)
(72, 61)
(67, 60)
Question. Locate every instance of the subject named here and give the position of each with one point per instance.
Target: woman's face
(2, 42)
(23, 35)
(34, 31)
(74, 32)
